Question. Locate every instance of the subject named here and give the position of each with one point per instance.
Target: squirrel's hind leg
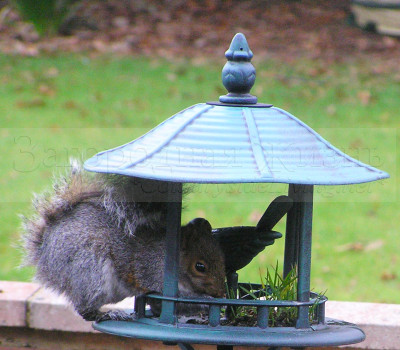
(89, 315)
(115, 315)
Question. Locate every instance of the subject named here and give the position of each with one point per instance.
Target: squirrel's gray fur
(98, 239)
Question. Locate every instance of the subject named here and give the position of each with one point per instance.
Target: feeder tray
(237, 140)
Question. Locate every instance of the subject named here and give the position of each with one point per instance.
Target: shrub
(46, 15)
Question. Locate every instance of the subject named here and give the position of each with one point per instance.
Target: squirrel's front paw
(115, 315)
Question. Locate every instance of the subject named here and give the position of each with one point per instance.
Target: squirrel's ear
(201, 225)
(194, 229)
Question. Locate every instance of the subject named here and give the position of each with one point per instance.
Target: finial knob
(238, 74)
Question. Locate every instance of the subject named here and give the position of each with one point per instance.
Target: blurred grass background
(57, 107)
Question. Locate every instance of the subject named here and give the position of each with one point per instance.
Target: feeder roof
(224, 144)
(233, 141)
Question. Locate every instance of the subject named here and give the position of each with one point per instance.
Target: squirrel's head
(202, 261)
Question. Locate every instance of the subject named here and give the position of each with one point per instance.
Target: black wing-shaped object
(241, 244)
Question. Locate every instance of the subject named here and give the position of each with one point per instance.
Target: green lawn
(54, 108)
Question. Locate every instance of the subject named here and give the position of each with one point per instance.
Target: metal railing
(220, 309)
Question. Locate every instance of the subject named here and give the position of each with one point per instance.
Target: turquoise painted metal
(389, 5)
(238, 74)
(234, 141)
(334, 334)
(224, 144)
(237, 139)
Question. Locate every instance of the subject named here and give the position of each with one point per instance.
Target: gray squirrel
(100, 238)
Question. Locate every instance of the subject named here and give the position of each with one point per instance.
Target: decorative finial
(238, 74)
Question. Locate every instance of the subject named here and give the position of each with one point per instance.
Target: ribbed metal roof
(235, 140)
(209, 143)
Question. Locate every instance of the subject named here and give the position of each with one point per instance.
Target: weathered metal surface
(382, 4)
(238, 74)
(224, 144)
(328, 335)
(248, 301)
(172, 256)
(234, 140)
(303, 208)
(238, 140)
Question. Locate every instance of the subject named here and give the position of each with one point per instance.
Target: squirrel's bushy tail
(128, 202)
(68, 190)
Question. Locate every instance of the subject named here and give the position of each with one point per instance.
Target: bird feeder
(237, 140)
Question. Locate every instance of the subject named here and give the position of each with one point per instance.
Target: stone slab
(50, 311)
(13, 298)
(24, 305)
(380, 322)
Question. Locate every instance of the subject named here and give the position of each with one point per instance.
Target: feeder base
(333, 333)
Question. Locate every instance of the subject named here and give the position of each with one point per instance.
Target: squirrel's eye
(200, 267)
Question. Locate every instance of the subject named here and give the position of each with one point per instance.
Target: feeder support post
(292, 234)
(298, 244)
(172, 250)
